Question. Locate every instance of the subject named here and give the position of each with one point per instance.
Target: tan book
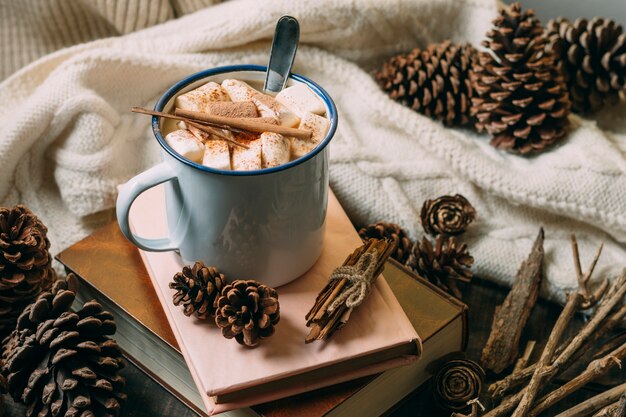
(143, 332)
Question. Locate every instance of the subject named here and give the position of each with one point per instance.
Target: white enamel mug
(266, 225)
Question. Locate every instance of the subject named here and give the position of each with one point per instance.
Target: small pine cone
(62, 363)
(434, 81)
(384, 230)
(447, 215)
(247, 311)
(197, 289)
(521, 97)
(458, 382)
(443, 264)
(25, 269)
(592, 57)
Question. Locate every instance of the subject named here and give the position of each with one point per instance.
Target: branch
(594, 404)
(596, 369)
(617, 409)
(541, 372)
(595, 329)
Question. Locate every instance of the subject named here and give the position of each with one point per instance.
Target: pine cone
(521, 97)
(384, 230)
(62, 363)
(592, 57)
(443, 264)
(447, 215)
(457, 382)
(434, 81)
(247, 311)
(25, 269)
(198, 288)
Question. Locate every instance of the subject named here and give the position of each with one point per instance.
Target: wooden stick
(596, 369)
(510, 317)
(248, 124)
(536, 381)
(525, 358)
(617, 409)
(594, 404)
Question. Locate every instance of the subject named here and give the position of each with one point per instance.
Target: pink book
(378, 337)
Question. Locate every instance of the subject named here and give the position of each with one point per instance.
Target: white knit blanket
(69, 139)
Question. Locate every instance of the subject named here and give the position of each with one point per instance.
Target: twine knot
(360, 277)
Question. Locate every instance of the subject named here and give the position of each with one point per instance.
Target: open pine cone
(442, 264)
(592, 56)
(521, 97)
(447, 215)
(197, 289)
(456, 383)
(62, 363)
(434, 81)
(384, 230)
(25, 269)
(247, 311)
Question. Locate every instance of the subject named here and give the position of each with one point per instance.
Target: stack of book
(365, 369)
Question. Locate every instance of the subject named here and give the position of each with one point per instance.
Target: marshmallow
(243, 159)
(186, 144)
(200, 98)
(301, 99)
(318, 126)
(267, 106)
(274, 149)
(230, 109)
(216, 154)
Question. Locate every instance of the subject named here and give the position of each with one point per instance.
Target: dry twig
(593, 404)
(595, 369)
(574, 348)
(617, 409)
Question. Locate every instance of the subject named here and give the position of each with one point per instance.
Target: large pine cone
(447, 215)
(62, 363)
(521, 97)
(197, 289)
(592, 57)
(384, 230)
(247, 311)
(442, 264)
(434, 81)
(25, 269)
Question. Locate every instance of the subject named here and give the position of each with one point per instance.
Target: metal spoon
(282, 54)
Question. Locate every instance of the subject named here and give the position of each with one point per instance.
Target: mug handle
(127, 195)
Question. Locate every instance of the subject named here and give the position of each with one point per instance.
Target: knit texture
(33, 28)
(69, 139)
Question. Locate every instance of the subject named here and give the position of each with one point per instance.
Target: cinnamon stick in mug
(248, 124)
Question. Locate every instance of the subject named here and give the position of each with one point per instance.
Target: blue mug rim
(172, 91)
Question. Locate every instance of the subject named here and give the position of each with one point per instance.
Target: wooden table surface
(146, 398)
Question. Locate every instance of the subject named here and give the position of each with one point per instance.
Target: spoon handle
(283, 53)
